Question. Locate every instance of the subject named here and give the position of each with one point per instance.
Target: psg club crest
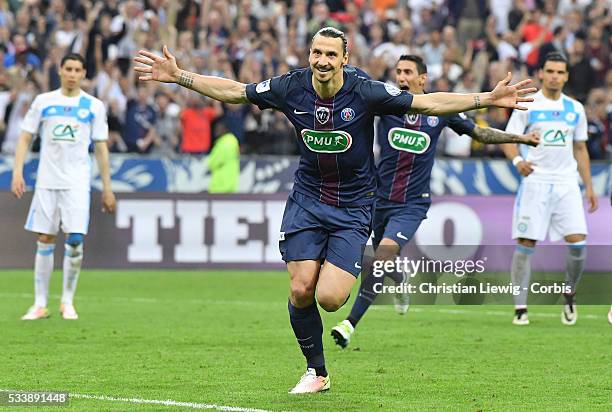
(433, 121)
(412, 118)
(347, 114)
(322, 114)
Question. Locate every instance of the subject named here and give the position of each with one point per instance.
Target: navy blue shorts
(312, 230)
(398, 221)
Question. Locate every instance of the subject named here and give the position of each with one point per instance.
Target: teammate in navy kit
(328, 213)
(408, 145)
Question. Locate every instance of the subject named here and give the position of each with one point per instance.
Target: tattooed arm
(489, 135)
(164, 69)
(218, 88)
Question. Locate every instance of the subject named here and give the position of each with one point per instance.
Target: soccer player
(549, 198)
(328, 213)
(404, 172)
(67, 120)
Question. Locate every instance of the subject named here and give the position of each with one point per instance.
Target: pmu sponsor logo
(412, 141)
(65, 132)
(555, 137)
(335, 141)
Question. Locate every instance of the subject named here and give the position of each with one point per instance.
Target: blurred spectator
(598, 125)
(581, 74)
(469, 45)
(224, 161)
(166, 125)
(196, 123)
(139, 126)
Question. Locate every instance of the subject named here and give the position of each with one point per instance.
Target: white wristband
(517, 160)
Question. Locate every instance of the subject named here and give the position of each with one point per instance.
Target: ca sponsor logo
(335, 141)
(412, 141)
(555, 137)
(65, 132)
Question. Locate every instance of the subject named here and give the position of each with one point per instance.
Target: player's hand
(524, 167)
(531, 138)
(162, 69)
(592, 199)
(508, 96)
(109, 203)
(18, 186)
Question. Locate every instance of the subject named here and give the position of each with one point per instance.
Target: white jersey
(67, 127)
(560, 123)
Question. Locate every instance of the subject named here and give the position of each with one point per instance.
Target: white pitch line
(421, 308)
(169, 402)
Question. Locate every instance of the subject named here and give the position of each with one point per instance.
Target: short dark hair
(72, 56)
(420, 64)
(555, 56)
(334, 33)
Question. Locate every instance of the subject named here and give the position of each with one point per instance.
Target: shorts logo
(412, 141)
(347, 114)
(281, 236)
(555, 137)
(65, 132)
(334, 141)
(392, 90)
(522, 227)
(412, 118)
(401, 236)
(433, 121)
(322, 114)
(263, 86)
(357, 265)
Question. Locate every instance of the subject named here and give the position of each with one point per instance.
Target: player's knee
(575, 238)
(74, 245)
(301, 292)
(330, 302)
(43, 238)
(74, 239)
(526, 242)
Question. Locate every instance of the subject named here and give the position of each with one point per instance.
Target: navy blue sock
(364, 299)
(308, 329)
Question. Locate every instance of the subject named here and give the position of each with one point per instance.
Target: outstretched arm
(164, 69)
(503, 95)
(489, 135)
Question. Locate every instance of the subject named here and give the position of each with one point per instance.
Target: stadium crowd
(468, 45)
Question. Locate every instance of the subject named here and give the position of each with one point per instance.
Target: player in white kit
(67, 120)
(549, 198)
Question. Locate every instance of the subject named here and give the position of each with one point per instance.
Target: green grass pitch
(224, 338)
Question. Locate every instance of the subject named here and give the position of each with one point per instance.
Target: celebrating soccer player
(67, 120)
(328, 213)
(404, 171)
(549, 198)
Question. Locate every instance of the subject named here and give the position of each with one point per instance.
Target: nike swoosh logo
(399, 234)
(357, 265)
(297, 112)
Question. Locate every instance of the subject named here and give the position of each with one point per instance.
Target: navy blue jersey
(407, 150)
(335, 135)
